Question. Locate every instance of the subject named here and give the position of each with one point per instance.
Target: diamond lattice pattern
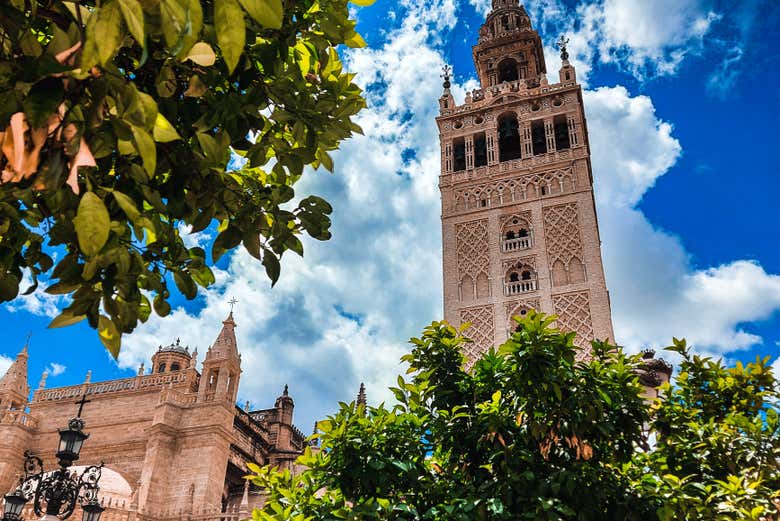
(481, 331)
(473, 248)
(562, 233)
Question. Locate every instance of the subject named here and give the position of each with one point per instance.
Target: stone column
(549, 132)
(491, 138)
(525, 139)
(469, 143)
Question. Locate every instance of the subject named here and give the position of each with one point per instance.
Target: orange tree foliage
(531, 433)
(118, 121)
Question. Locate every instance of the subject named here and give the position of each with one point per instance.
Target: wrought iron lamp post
(57, 493)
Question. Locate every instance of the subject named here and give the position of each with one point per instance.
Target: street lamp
(14, 504)
(60, 490)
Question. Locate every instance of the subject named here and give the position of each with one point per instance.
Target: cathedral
(519, 223)
(174, 443)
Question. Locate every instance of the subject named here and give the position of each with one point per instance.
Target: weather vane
(232, 303)
(562, 43)
(446, 71)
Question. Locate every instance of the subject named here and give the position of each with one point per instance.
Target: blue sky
(682, 108)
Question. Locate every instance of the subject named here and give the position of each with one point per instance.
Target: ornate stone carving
(481, 331)
(514, 307)
(510, 191)
(522, 217)
(562, 233)
(573, 310)
(472, 248)
(518, 262)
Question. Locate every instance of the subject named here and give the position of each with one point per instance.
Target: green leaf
(146, 149)
(363, 3)
(92, 224)
(65, 319)
(107, 31)
(42, 101)
(231, 31)
(202, 54)
(127, 205)
(355, 41)
(185, 284)
(9, 287)
(272, 267)
(267, 13)
(134, 19)
(163, 130)
(109, 335)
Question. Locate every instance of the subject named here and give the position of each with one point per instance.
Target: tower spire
(14, 388)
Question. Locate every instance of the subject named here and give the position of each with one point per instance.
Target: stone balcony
(521, 286)
(12, 417)
(520, 243)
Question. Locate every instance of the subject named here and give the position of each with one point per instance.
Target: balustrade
(520, 243)
(521, 286)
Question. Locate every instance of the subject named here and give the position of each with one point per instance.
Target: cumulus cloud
(55, 369)
(342, 315)
(646, 38)
(655, 291)
(38, 302)
(5, 363)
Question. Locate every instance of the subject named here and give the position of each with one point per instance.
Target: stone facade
(174, 442)
(519, 224)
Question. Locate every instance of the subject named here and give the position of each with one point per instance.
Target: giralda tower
(519, 222)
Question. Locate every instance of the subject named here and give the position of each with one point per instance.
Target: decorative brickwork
(481, 331)
(509, 191)
(525, 181)
(562, 233)
(573, 310)
(473, 255)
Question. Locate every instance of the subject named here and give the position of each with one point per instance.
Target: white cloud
(5, 363)
(644, 37)
(55, 369)
(655, 291)
(38, 302)
(343, 314)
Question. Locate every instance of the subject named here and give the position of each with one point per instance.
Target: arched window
(507, 70)
(516, 234)
(508, 138)
(459, 152)
(538, 137)
(520, 279)
(562, 141)
(480, 150)
(175, 366)
(161, 368)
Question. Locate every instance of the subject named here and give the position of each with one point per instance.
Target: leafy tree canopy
(533, 432)
(119, 120)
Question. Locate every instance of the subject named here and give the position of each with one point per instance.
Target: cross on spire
(81, 403)
(232, 303)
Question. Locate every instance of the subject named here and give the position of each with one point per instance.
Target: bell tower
(519, 223)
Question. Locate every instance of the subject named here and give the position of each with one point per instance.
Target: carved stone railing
(516, 88)
(18, 418)
(521, 243)
(152, 381)
(522, 286)
(169, 395)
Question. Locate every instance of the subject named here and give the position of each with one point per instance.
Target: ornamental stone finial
(446, 71)
(562, 44)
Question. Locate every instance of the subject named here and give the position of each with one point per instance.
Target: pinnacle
(225, 346)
